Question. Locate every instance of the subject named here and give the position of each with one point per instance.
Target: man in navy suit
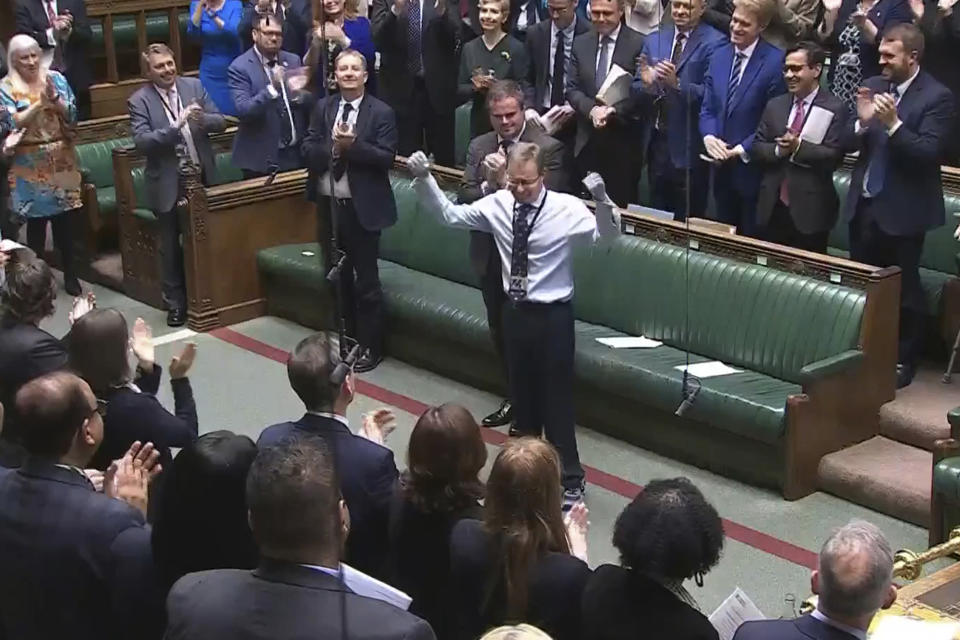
(367, 470)
(904, 118)
(853, 580)
(673, 63)
(271, 108)
(351, 144)
(741, 79)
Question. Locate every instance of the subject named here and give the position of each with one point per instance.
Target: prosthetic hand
(418, 164)
(595, 185)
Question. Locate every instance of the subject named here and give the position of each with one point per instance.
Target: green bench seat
(945, 484)
(125, 30)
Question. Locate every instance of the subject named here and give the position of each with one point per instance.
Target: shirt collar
(570, 28)
(613, 36)
(354, 103)
(327, 570)
(500, 139)
(749, 50)
(856, 633)
(902, 88)
(166, 92)
(333, 416)
(263, 60)
(809, 99)
(539, 201)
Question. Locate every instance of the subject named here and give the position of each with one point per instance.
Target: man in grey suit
(485, 173)
(299, 589)
(171, 118)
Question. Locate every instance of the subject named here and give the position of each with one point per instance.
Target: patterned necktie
(734, 77)
(796, 126)
(675, 59)
(286, 131)
(557, 90)
(339, 164)
(678, 48)
(603, 60)
(414, 51)
(518, 257)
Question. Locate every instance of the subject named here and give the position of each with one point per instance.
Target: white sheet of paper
(615, 87)
(368, 586)
(815, 128)
(708, 370)
(732, 612)
(629, 342)
(899, 628)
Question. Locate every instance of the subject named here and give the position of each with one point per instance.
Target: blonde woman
(43, 178)
(343, 28)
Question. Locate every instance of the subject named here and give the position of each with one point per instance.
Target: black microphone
(334, 272)
(274, 169)
(345, 366)
(691, 388)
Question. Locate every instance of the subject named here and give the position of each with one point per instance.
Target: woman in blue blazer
(213, 23)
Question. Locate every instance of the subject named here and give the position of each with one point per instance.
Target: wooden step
(918, 416)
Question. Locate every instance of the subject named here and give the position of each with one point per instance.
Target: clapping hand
(180, 365)
(378, 425)
(858, 17)
(946, 6)
(11, 141)
(343, 137)
(82, 305)
(418, 164)
(716, 148)
(831, 6)
(667, 73)
(648, 75)
(191, 113)
(865, 106)
(787, 143)
(600, 115)
(128, 478)
(885, 109)
(577, 526)
(141, 342)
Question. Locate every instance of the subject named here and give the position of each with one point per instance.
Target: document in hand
(369, 587)
(616, 86)
(815, 128)
(732, 612)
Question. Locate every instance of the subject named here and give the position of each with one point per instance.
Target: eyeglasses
(101, 408)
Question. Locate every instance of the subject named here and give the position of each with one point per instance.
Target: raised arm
(464, 216)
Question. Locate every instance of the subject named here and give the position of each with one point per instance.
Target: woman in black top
(99, 353)
(523, 563)
(668, 534)
(440, 487)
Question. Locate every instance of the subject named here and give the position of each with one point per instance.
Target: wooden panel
(110, 99)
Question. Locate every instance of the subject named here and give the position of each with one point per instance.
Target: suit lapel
(692, 43)
(363, 116)
(330, 114)
(909, 97)
(592, 44)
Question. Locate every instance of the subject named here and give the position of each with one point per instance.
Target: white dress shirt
(564, 219)
(807, 105)
(173, 105)
(567, 48)
(341, 188)
(522, 16)
(613, 46)
(748, 53)
(277, 94)
(860, 634)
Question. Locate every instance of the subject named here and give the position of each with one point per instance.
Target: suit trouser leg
(362, 247)
(520, 336)
(346, 289)
(82, 98)
(726, 198)
(491, 287)
(440, 130)
(171, 260)
(62, 229)
(660, 177)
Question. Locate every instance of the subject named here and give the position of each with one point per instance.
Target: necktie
(57, 63)
(414, 63)
(877, 168)
(505, 146)
(603, 60)
(339, 164)
(531, 13)
(51, 14)
(796, 126)
(675, 59)
(518, 257)
(557, 90)
(286, 130)
(734, 77)
(678, 48)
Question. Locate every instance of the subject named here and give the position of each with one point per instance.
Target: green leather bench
(945, 485)
(125, 30)
(767, 424)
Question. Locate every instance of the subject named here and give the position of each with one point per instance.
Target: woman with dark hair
(440, 487)
(99, 353)
(523, 563)
(201, 518)
(668, 534)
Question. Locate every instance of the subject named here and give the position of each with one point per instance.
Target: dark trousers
(361, 298)
(781, 229)
(870, 244)
(539, 342)
(171, 260)
(83, 104)
(670, 186)
(614, 152)
(734, 207)
(422, 128)
(62, 227)
(491, 287)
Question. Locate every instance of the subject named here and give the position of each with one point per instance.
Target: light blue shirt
(856, 633)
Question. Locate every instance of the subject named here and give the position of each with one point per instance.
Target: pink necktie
(795, 128)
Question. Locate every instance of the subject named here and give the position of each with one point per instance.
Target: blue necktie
(877, 169)
(734, 77)
(603, 60)
(413, 37)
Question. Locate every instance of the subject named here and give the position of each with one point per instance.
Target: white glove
(418, 164)
(595, 185)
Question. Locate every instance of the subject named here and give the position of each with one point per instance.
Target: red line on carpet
(621, 486)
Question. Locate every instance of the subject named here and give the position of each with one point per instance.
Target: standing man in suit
(170, 119)
(672, 67)
(366, 469)
(798, 204)
(62, 30)
(485, 173)
(607, 135)
(904, 119)
(296, 16)
(272, 113)
(352, 143)
(742, 77)
(419, 44)
(853, 579)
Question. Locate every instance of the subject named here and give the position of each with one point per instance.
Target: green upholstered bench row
(632, 286)
(945, 489)
(125, 30)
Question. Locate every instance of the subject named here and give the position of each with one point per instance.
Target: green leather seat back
(125, 29)
(946, 478)
(395, 240)
(96, 160)
(226, 170)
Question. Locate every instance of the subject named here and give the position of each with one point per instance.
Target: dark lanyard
(166, 105)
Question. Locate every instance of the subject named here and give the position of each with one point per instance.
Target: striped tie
(735, 76)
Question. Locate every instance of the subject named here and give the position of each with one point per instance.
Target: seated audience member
(201, 516)
(300, 523)
(853, 580)
(170, 120)
(523, 561)
(798, 204)
(213, 25)
(270, 103)
(343, 29)
(440, 487)
(295, 16)
(100, 346)
(668, 534)
(76, 563)
(367, 471)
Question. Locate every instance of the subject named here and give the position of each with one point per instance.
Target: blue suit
(256, 146)
(737, 183)
(669, 150)
(803, 628)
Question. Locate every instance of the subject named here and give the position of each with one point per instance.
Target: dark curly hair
(30, 289)
(669, 531)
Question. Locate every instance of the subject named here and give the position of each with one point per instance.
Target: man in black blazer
(351, 145)
(903, 124)
(797, 205)
(419, 44)
(76, 563)
(485, 173)
(608, 136)
(299, 590)
(295, 15)
(853, 580)
(367, 470)
(62, 30)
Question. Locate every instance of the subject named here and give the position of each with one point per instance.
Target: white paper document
(629, 342)
(708, 370)
(732, 612)
(615, 87)
(815, 128)
(900, 628)
(367, 586)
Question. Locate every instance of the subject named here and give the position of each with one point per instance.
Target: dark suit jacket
(884, 14)
(803, 628)
(76, 564)
(619, 604)
(368, 159)
(556, 583)
(440, 49)
(368, 476)
(30, 17)
(157, 139)
(717, 15)
(809, 172)
(280, 601)
(941, 41)
(297, 25)
(538, 42)
(911, 201)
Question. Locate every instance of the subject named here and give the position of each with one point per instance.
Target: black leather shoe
(500, 417)
(905, 373)
(367, 362)
(515, 433)
(176, 317)
(72, 286)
